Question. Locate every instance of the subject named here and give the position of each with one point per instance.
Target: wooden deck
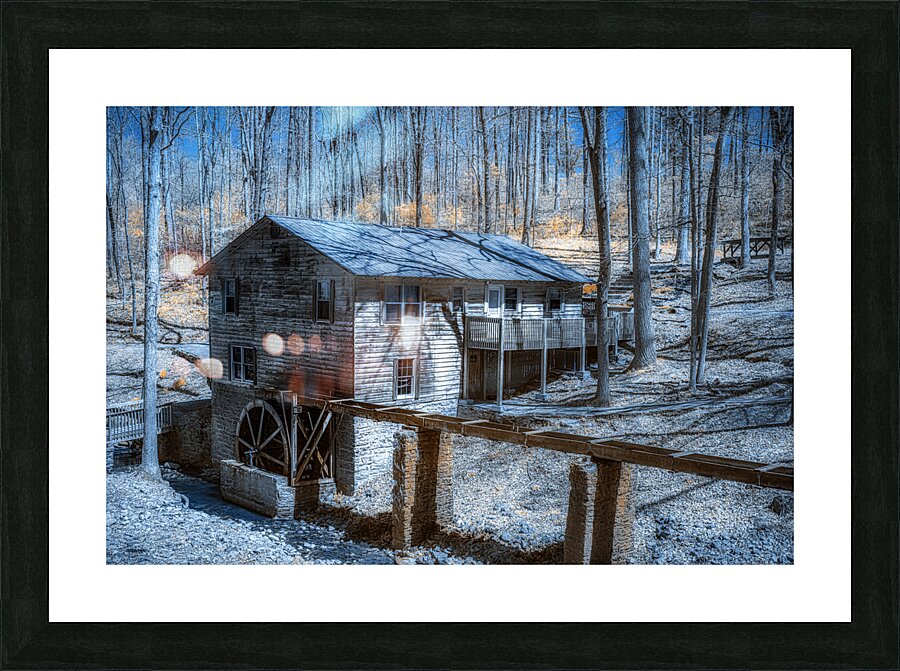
(125, 422)
(775, 476)
(760, 247)
(538, 334)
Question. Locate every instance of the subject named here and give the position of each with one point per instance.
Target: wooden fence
(125, 422)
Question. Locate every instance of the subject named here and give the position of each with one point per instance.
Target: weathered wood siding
(277, 275)
(436, 344)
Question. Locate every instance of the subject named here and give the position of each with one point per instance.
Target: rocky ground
(510, 503)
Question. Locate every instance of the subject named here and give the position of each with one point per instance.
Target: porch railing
(126, 421)
(524, 333)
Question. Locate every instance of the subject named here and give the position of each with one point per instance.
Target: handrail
(125, 421)
(524, 333)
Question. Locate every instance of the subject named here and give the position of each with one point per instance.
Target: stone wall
(252, 488)
(189, 442)
(269, 493)
(228, 400)
(364, 448)
(600, 520)
(423, 486)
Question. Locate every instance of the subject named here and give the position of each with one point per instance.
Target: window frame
(487, 300)
(235, 295)
(518, 291)
(462, 299)
(329, 315)
(548, 304)
(413, 382)
(402, 303)
(243, 365)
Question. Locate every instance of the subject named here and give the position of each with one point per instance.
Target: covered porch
(501, 352)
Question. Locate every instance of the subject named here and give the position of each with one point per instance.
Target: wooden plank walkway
(776, 476)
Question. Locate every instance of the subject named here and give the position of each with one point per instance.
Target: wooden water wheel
(261, 438)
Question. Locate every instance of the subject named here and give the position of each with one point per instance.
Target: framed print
(503, 295)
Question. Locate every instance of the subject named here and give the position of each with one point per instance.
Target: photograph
(449, 335)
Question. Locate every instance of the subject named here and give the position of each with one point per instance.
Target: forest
(651, 183)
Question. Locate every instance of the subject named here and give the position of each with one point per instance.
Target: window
(324, 300)
(458, 299)
(230, 296)
(493, 302)
(243, 364)
(510, 299)
(554, 300)
(405, 378)
(402, 304)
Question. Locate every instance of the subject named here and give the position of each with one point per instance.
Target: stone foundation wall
(228, 401)
(423, 486)
(269, 493)
(600, 520)
(364, 448)
(189, 443)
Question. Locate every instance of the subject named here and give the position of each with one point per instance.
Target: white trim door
(493, 300)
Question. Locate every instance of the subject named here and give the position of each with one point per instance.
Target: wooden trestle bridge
(775, 476)
(600, 513)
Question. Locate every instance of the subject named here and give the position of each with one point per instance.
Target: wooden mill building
(416, 317)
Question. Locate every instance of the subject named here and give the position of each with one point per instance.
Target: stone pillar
(580, 518)
(601, 513)
(613, 513)
(423, 494)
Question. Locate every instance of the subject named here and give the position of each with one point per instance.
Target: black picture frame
(30, 29)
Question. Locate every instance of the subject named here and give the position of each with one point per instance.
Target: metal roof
(393, 251)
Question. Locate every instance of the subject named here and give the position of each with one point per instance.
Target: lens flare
(182, 265)
(273, 344)
(295, 344)
(211, 368)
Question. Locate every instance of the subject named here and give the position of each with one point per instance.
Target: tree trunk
(706, 277)
(150, 454)
(645, 344)
(596, 152)
(529, 182)
(745, 187)
(779, 121)
(382, 210)
(682, 254)
(486, 172)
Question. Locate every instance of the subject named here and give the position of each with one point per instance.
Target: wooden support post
(500, 368)
(293, 439)
(465, 366)
(544, 360)
(423, 487)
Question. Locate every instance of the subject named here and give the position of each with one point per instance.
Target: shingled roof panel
(391, 251)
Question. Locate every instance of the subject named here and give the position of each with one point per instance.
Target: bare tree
(418, 118)
(780, 119)
(644, 338)
(595, 144)
(152, 120)
(382, 210)
(706, 277)
(745, 187)
(486, 170)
